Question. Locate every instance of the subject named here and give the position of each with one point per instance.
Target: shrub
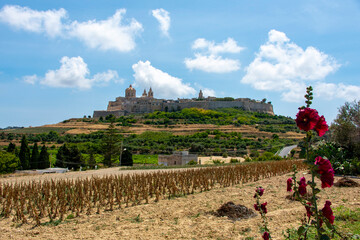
(8, 162)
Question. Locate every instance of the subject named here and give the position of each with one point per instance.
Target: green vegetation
(223, 116)
(347, 223)
(145, 159)
(8, 162)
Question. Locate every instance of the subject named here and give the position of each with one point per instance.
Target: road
(286, 150)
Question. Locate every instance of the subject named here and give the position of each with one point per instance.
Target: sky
(65, 59)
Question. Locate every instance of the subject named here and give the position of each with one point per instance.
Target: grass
(347, 223)
(145, 159)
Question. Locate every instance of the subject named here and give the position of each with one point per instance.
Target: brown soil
(346, 182)
(187, 217)
(234, 211)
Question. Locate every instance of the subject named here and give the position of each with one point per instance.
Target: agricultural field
(179, 213)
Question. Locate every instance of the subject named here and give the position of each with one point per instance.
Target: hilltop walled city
(130, 104)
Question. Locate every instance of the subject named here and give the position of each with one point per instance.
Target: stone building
(130, 104)
(177, 158)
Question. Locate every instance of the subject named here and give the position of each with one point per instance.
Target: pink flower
(326, 172)
(327, 212)
(259, 191)
(266, 236)
(321, 127)
(289, 184)
(302, 186)
(307, 118)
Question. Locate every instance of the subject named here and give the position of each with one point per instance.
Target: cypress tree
(11, 148)
(24, 154)
(62, 156)
(44, 160)
(34, 160)
(110, 144)
(75, 158)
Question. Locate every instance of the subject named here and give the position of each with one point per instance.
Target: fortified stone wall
(147, 104)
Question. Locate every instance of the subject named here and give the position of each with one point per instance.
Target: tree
(111, 145)
(91, 162)
(8, 162)
(24, 154)
(346, 127)
(11, 148)
(44, 160)
(34, 160)
(61, 156)
(74, 158)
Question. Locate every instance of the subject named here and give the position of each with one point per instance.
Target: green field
(145, 159)
(36, 130)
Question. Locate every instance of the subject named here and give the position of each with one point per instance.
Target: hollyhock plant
(326, 172)
(309, 213)
(307, 119)
(266, 236)
(263, 211)
(259, 191)
(289, 184)
(302, 186)
(327, 212)
(321, 127)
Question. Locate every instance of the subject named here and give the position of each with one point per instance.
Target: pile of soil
(346, 182)
(235, 212)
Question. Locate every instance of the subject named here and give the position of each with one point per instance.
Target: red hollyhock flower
(289, 184)
(326, 172)
(262, 207)
(321, 127)
(327, 179)
(302, 186)
(266, 236)
(259, 191)
(323, 164)
(307, 118)
(327, 212)
(309, 213)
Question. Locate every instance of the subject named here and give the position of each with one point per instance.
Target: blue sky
(64, 59)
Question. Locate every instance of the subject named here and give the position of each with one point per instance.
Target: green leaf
(301, 230)
(324, 237)
(328, 224)
(316, 190)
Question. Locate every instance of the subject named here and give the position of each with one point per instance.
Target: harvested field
(187, 217)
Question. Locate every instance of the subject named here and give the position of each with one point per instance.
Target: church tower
(150, 93)
(130, 92)
(144, 94)
(201, 96)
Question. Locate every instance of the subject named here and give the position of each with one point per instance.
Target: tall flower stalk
(308, 119)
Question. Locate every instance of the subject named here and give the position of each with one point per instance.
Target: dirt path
(187, 217)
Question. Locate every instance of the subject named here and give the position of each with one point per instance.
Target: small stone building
(177, 158)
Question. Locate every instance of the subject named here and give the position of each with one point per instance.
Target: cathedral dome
(130, 92)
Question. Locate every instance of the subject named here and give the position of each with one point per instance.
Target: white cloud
(330, 91)
(210, 60)
(110, 34)
(228, 46)
(73, 73)
(212, 63)
(48, 22)
(163, 84)
(283, 66)
(30, 79)
(164, 20)
(208, 92)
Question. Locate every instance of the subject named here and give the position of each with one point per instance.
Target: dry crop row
(54, 200)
